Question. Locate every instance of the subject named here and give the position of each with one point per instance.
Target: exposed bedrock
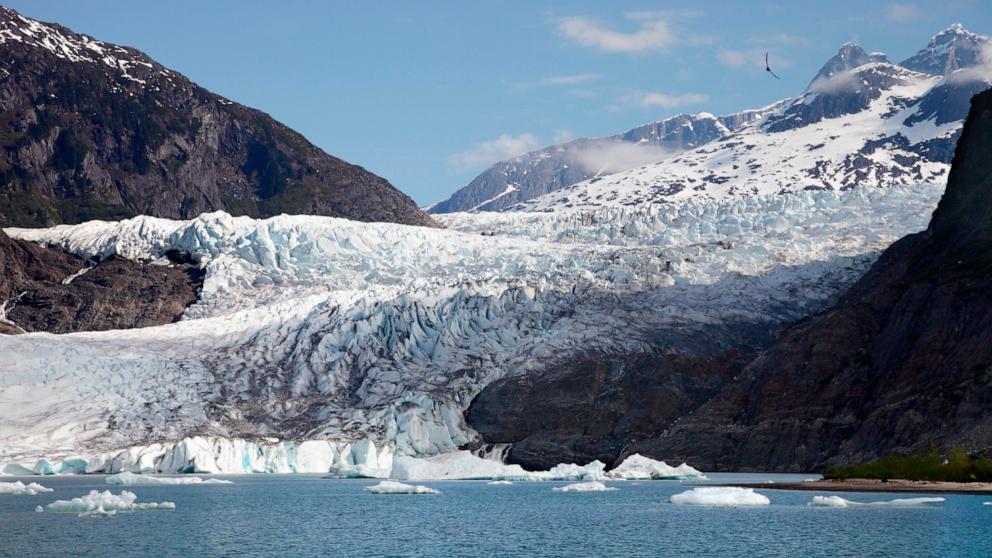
(42, 289)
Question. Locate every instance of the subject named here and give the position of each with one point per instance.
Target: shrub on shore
(930, 466)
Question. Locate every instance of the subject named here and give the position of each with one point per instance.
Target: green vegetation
(930, 466)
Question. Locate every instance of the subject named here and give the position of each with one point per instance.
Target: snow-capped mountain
(93, 130)
(863, 121)
(546, 170)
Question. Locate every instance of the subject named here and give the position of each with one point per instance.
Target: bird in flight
(769, 68)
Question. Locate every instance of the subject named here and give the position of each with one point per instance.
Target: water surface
(308, 516)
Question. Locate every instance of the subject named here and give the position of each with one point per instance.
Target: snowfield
(369, 340)
(889, 142)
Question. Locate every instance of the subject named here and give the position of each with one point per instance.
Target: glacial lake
(309, 516)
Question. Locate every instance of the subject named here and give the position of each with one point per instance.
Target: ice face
(591, 486)
(392, 487)
(359, 335)
(838, 502)
(720, 496)
(20, 489)
(104, 503)
(131, 479)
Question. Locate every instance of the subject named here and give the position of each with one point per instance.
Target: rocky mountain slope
(48, 290)
(546, 170)
(92, 130)
(902, 362)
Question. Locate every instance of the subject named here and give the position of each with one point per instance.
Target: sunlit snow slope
(322, 328)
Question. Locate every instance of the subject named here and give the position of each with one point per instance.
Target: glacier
(332, 346)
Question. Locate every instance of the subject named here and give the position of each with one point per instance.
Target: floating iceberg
(103, 503)
(464, 465)
(838, 502)
(131, 479)
(592, 486)
(638, 467)
(507, 483)
(20, 489)
(392, 487)
(720, 496)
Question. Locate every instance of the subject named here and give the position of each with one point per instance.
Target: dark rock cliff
(91, 130)
(41, 291)
(902, 362)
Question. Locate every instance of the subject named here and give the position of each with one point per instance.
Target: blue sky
(427, 94)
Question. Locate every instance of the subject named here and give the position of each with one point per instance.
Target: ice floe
(507, 483)
(464, 465)
(131, 479)
(103, 503)
(720, 496)
(591, 486)
(20, 489)
(838, 502)
(393, 487)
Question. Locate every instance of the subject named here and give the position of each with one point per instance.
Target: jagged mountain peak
(849, 56)
(952, 49)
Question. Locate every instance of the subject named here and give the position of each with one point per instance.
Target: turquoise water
(301, 515)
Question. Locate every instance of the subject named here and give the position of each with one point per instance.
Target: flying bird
(769, 68)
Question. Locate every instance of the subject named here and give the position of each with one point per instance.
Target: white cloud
(847, 81)
(617, 156)
(653, 34)
(902, 13)
(734, 58)
(567, 79)
(563, 135)
(982, 71)
(663, 100)
(752, 57)
(486, 153)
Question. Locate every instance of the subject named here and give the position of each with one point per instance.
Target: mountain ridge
(92, 130)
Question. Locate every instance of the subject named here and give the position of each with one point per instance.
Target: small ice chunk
(132, 479)
(987, 503)
(838, 502)
(104, 503)
(506, 482)
(20, 489)
(720, 496)
(393, 487)
(592, 486)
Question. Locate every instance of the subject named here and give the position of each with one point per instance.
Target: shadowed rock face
(902, 362)
(92, 130)
(113, 294)
(593, 408)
